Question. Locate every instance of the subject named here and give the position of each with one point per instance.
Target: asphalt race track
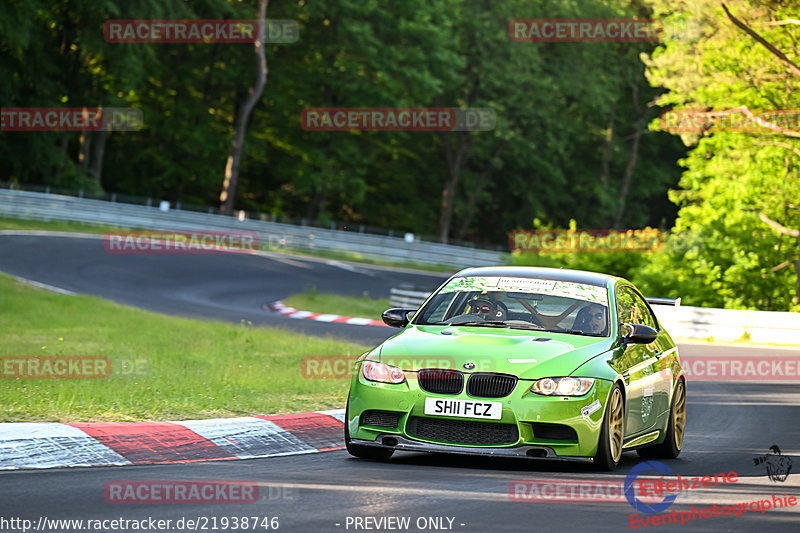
(231, 287)
(729, 424)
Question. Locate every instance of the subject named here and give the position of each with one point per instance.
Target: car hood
(523, 353)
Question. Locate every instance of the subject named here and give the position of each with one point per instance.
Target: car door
(657, 382)
(638, 363)
(657, 392)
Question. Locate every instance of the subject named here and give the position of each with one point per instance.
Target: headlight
(382, 372)
(563, 386)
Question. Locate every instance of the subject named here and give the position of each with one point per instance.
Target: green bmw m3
(526, 362)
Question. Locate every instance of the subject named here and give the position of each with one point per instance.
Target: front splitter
(396, 442)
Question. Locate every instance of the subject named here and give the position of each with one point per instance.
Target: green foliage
(720, 252)
(623, 264)
(567, 116)
(543, 159)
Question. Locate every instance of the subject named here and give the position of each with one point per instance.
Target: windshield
(519, 303)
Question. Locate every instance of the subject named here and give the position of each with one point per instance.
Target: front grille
(543, 430)
(462, 432)
(441, 381)
(491, 385)
(386, 419)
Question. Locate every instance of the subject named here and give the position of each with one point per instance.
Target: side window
(457, 305)
(643, 311)
(625, 305)
(436, 308)
(437, 313)
(632, 309)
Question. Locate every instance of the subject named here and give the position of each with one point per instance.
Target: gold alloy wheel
(615, 425)
(679, 416)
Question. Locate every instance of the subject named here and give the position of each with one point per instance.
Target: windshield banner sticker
(521, 284)
(578, 291)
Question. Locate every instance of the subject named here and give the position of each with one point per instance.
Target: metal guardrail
(352, 227)
(43, 206)
(689, 322)
(730, 324)
(407, 298)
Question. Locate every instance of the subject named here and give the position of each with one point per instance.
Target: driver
(482, 307)
(591, 319)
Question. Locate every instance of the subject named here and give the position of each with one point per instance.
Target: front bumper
(528, 411)
(396, 442)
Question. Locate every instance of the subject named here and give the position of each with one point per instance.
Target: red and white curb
(28, 445)
(291, 312)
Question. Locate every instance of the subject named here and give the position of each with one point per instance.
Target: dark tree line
(571, 139)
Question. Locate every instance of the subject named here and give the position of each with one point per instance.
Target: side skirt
(644, 439)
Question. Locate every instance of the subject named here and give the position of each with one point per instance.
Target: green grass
(311, 300)
(76, 227)
(53, 225)
(198, 369)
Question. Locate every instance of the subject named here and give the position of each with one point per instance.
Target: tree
(792, 233)
(231, 182)
(566, 114)
(721, 253)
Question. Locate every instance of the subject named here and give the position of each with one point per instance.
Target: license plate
(463, 408)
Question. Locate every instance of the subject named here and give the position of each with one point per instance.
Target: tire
(609, 447)
(676, 428)
(357, 450)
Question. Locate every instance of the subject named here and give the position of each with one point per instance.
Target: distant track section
(291, 312)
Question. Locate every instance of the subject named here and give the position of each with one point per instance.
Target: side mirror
(397, 317)
(638, 334)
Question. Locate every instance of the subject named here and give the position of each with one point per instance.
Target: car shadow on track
(629, 460)
(741, 463)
